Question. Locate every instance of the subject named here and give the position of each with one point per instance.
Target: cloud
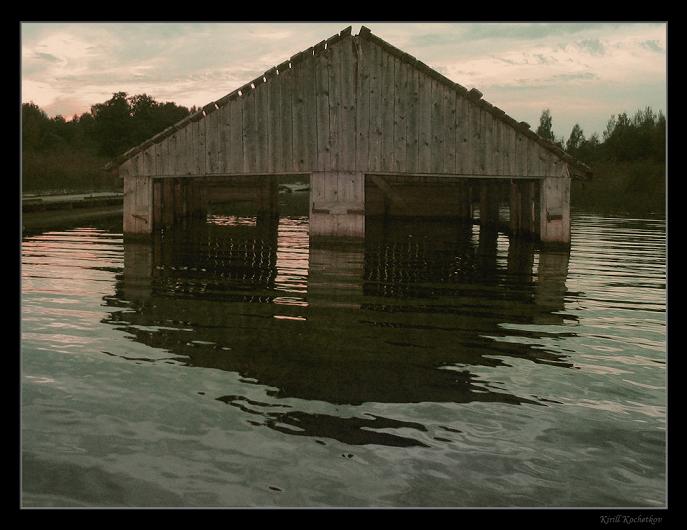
(652, 45)
(592, 46)
(528, 65)
(46, 57)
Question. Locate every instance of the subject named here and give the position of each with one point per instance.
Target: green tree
(545, 129)
(112, 127)
(575, 140)
(34, 126)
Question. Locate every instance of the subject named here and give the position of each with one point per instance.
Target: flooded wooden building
(374, 129)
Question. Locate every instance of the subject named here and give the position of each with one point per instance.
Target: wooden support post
(337, 204)
(465, 201)
(167, 202)
(268, 196)
(138, 201)
(488, 205)
(554, 210)
(201, 197)
(516, 208)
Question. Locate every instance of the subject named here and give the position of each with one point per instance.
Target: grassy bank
(33, 222)
(66, 171)
(637, 187)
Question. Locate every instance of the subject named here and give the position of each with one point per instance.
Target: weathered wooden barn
(375, 130)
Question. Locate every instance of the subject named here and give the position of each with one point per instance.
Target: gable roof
(578, 168)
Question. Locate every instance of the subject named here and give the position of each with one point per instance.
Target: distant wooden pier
(374, 129)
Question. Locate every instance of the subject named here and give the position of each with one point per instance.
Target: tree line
(628, 161)
(61, 155)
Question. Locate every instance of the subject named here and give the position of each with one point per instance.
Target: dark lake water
(234, 364)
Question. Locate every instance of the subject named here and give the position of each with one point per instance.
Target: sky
(582, 72)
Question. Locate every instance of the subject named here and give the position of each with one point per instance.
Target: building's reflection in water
(399, 318)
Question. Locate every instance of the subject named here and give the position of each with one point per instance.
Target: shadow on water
(400, 318)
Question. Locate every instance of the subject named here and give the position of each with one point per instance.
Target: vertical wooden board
(375, 127)
(316, 188)
(335, 99)
(411, 160)
(322, 110)
(400, 106)
(157, 162)
(489, 143)
(496, 156)
(273, 124)
(349, 187)
(484, 147)
(513, 151)
(214, 143)
(176, 152)
(128, 204)
(235, 156)
(506, 149)
(209, 126)
(222, 138)
(197, 150)
(387, 110)
(142, 163)
(143, 200)
(163, 167)
(437, 111)
(262, 117)
(191, 148)
(548, 163)
(449, 166)
(552, 165)
(461, 134)
(310, 114)
(202, 147)
(309, 136)
(363, 106)
(125, 170)
(498, 147)
(522, 154)
(298, 113)
(286, 81)
(184, 154)
(476, 147)
(533, 162)
(425, 123)
(146, 162)
(249, 130)
(348, 104)
(185, 158)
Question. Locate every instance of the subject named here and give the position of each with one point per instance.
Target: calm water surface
(234, 364)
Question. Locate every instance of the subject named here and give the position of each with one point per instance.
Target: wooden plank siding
(375, 120)
(401, 96)
(349, 104)
(349, 67)
(387, 111)
(261, 120)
